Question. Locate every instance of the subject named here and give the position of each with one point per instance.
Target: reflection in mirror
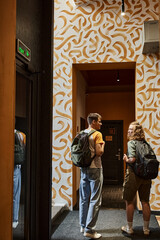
(20, 163)
(18, 201)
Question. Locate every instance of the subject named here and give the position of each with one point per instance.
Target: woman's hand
(125, 158)
(128, 160)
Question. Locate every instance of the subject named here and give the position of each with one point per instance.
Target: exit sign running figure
(23, 50)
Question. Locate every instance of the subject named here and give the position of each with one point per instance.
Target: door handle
(119, 154)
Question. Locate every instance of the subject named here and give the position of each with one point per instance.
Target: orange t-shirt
(94, 139)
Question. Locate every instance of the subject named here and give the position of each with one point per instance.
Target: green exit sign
(23, 50)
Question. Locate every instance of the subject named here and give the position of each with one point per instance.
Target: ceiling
(106, 80)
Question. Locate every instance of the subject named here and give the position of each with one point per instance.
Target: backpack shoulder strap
(146, 142)
(91, 132)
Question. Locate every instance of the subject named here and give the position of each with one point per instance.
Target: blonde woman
(133, 183)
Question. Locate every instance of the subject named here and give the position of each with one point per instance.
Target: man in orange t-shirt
(92, 180)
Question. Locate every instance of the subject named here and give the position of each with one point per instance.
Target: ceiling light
(118, 80)
(122, 10)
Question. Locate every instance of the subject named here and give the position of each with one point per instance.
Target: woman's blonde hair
(138, 132)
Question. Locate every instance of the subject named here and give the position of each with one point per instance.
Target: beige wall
(81, 98)
(113, 106)
(7, 113)
(80, 108)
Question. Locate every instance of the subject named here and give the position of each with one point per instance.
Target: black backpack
(80, 151)
(146, 165)
(19, 151)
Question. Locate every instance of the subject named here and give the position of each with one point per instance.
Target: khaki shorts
(132, 184)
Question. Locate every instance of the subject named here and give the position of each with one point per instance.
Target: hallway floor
(112, 217)
(109, 225)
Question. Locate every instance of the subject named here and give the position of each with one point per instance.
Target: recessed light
(122, 11)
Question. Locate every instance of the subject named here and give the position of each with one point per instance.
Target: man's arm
(100, 149)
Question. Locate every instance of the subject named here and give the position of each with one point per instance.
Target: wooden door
(112, 159)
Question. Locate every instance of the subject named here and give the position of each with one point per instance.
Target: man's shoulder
(95, 133)
(88, 130)
(97, 136)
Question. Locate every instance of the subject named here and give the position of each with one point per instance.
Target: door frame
(30, 184)
(91, 66)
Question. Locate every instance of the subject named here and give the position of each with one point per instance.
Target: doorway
(106, 88)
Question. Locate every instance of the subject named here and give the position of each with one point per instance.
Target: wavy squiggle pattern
(95, 32)
(80, 2)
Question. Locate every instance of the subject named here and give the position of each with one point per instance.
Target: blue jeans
(90, 197)
(16, 191)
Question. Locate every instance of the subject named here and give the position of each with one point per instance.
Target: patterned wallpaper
(80, 2)
(95, 32)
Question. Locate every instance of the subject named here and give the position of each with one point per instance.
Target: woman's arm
(128, 160)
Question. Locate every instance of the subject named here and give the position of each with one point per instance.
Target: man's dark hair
(93, 116)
